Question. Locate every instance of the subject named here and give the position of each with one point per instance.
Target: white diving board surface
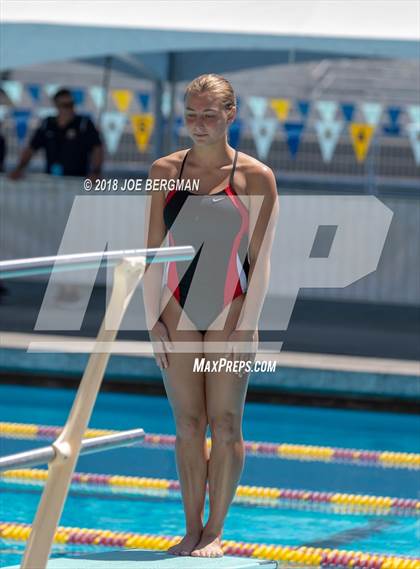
(146, 559)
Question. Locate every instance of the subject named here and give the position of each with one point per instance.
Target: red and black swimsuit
(217, 226)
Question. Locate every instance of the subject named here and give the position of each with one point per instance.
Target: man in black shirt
(71, 142)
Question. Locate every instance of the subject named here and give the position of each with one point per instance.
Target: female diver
(211, 304)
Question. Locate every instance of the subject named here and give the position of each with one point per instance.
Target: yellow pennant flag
(122, 98)
(281, 107)
(142, 127)
(361, 135)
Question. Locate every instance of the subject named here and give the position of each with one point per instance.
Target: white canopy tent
(38, 32)
(177, 40)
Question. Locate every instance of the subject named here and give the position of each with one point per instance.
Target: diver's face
(205, 118)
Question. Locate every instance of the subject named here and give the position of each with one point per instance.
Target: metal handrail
(46, 454)
(70, 262)
(127, 275)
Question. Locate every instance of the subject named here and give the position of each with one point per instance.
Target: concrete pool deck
(64, 357)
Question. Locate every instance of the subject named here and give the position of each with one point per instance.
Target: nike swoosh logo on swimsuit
(218, 199)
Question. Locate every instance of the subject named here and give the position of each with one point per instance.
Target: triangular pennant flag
(3, 112)
(413, 130)
(258, 106)
(394, 114)
(348, 110)
(144, 100)
(263, 130)
(328, 133)
(78, 96)
(44, 112)
(281, 107)
(361, 135)
(112, 127)
(122, 99)
(21, 117)
(293, 133)
(35, 92)
(13, 90)
(372, 112)
(414, 113)
(98, 95)
(166, 103)
(142, 128)
(393, 128)
(235, 133)
(304, 108)
(327, 110)
(51, 89)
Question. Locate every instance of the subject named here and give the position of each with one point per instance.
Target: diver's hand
(161, 344)
(242, 345)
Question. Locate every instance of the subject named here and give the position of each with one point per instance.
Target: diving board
(145, 559)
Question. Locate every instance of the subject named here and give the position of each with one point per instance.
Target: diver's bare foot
(186, 545)
(210, 545)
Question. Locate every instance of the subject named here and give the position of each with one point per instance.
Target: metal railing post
(127, 275)
(45, 455)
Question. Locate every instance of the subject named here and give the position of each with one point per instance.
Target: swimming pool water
(143, 514)
(262, 422)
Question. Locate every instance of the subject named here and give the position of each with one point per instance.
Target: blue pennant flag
(393, 128)
(21, 117)
(235, 133)
(144, 100)
(348, 110)
(35, 92)
(293, 133)
(394, 114)
(304, 108)
(78, 96)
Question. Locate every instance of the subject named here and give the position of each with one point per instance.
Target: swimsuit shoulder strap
(233, 169)
(182, 165)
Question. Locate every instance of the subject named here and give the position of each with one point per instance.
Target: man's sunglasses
(65, 105)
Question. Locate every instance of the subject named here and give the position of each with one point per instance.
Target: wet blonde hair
(215, 84)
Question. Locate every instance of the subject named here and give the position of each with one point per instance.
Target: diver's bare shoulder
(254, 177)
(167, 166)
